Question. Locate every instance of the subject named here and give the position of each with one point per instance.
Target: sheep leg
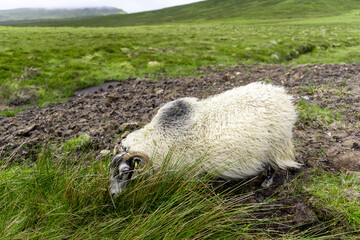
(269, 177)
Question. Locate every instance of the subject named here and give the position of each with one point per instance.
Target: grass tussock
(66, 199)
(312, 114)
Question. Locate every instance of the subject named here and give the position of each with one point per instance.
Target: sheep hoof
(269, 177)
(267, 183)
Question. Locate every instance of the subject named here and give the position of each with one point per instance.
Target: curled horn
(141, 155)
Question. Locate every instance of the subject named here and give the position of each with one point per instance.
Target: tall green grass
(67, 198)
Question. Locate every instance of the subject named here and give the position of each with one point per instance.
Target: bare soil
(106, 112)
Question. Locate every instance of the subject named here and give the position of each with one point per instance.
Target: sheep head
(123, 167)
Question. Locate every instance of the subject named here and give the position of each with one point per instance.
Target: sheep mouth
(116, 188)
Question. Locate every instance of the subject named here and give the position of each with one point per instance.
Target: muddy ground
(106, 112)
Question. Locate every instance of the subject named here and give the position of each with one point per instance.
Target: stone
(27, 130)
(105, 152)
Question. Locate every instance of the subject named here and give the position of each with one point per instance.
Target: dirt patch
(105, 112)
(330, 140)
(348, 161)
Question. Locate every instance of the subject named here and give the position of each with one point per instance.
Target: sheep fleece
(238, 132)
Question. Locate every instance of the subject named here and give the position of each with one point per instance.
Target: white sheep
(241, 132)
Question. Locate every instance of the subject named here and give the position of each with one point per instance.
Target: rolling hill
(213, 10)
(42, 13)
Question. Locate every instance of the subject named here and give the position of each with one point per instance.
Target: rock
(160, 91)
(112, 98)
(26, 131)
(105, 152)
(348, 161)
(311, 163)
(356, 146)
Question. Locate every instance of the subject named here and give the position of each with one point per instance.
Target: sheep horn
(141, 155)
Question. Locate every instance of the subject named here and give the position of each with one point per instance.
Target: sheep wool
(240, 131)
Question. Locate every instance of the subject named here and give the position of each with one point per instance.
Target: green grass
(68, 199)
(213, 10)
(336, 194)
(41, 65)
(309, 113)
(82, 142)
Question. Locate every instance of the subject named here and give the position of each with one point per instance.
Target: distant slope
(42, 13)
(214, 10)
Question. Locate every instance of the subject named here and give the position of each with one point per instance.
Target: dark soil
(107, 111)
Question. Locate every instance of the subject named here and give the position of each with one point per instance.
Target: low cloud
(128, 6)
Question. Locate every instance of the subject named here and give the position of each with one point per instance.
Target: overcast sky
(129, 6)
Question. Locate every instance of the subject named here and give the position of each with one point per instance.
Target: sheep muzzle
(123, 166)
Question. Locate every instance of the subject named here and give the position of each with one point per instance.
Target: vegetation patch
(337, 195)
(70, 200)
(62, 198)
(82, 142)
(310, 113)
(46, 195)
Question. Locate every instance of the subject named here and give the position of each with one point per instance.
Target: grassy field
(215, 10)
(41, 65)
(58, 198)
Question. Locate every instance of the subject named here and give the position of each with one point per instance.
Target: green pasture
(59, 198)
(212, 11)
(41, 65)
